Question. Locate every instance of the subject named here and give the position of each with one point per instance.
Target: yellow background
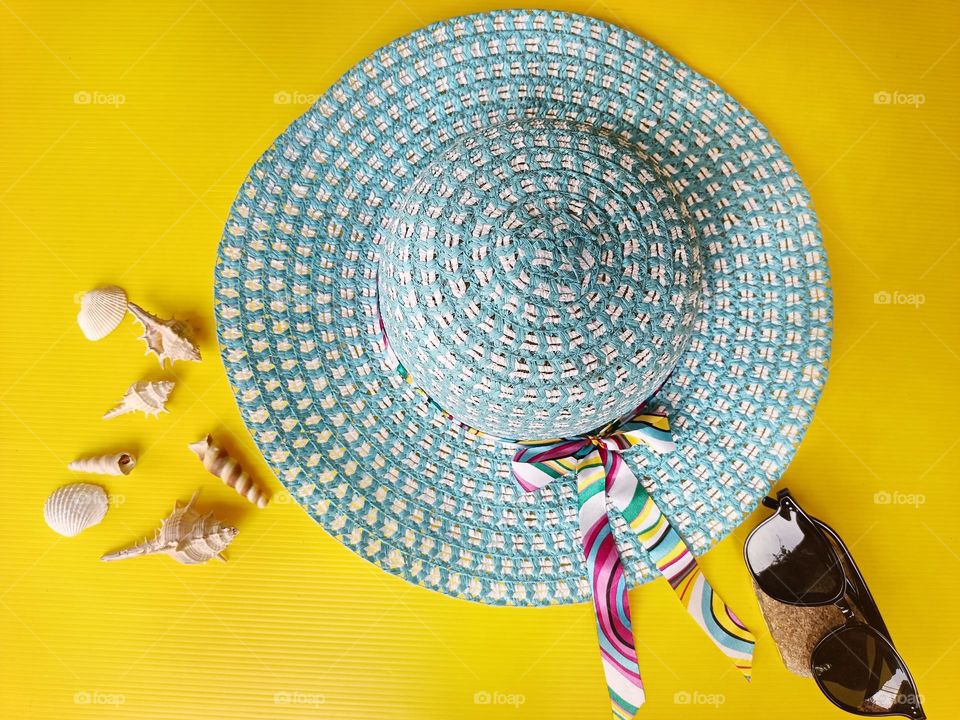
(294, 625)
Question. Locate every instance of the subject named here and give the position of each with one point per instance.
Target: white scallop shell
(144, 396)
(101, 311)
(122, 463)
(75, 507)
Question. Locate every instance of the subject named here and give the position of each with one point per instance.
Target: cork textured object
(797, 630)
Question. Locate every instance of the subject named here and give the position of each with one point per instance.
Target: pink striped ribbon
(604, 478)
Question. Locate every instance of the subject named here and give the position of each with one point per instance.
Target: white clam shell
(121, 463)
(101, 311)
(75, 507)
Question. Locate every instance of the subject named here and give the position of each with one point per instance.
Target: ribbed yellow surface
(126, 130)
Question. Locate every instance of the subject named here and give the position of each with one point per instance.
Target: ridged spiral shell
(167, 339)
(186, 536)
(219, 463)
(73, 508)
(144, 396)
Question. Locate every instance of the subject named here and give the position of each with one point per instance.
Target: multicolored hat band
(505, 229)
(604, 480)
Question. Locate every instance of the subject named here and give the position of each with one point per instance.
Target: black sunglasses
(794, 559)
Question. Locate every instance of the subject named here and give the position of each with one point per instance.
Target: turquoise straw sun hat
(527, 312)
(506, 228)
(548, 217)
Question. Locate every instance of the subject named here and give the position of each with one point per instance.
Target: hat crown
(539, 279)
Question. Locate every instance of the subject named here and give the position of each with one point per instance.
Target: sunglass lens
(792, 561)
(857, 668)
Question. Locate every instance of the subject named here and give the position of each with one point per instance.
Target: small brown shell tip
(121, 463)
(167, 339)
(219, 463)
(145, 396)
(101, 311)
(186, 536)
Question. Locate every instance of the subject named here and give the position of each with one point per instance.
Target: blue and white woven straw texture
(540, 279)
(553, 216)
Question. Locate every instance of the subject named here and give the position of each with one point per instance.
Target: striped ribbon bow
(602, 475)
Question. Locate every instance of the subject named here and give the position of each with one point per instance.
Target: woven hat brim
(376, 462)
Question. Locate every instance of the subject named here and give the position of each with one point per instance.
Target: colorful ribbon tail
(618, 651)
(679, 566)
(602, 474)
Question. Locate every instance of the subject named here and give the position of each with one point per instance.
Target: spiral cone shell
(121, 463)
(219, 463)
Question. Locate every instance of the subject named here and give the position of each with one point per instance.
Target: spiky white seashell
(121, 463)
(219, 463)
(101, 311)
(75, 507)
(186, 536)
(165, 338)
(145, 396)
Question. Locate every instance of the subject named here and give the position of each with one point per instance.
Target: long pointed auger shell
(101, 311)
(144, 396)
(219, 463)
(73, 508)
(121, 463)
(166, 339)
(186, 536)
